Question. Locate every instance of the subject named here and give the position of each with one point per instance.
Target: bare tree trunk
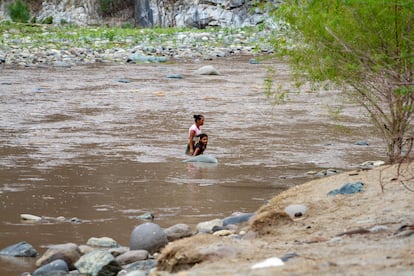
(160, 8)
(171, 12)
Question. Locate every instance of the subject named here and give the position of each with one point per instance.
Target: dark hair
(202, 135)
(197, 117)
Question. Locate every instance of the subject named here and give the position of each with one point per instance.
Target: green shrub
(19, 12)
(48, 20)
(127, 25)
(106, 6)
(110, 35)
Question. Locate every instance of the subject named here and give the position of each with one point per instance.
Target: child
(201, 146)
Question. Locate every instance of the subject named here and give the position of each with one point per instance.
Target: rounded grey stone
(148, 236)
(178, 231)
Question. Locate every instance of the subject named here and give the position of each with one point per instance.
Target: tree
(19, 12)
(365, 47)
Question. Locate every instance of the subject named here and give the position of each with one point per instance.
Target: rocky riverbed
(49, 48)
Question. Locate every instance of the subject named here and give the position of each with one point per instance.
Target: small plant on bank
(127, 25)
(48, 20)
(335, 112)
(110, 35)
(105, 6)
(19, 12)
(278, 94)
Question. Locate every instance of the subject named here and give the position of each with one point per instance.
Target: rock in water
(207, 70)
(21, 249)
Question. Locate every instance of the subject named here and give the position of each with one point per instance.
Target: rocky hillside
(150, 13)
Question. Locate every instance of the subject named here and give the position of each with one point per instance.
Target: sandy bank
(356, 234)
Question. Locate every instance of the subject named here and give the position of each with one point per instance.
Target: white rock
(372, 163)
(223, 233)
(296, 210)
(379, 228)
(207, 226)
(270, 262)
(30, 217)
(207, 70)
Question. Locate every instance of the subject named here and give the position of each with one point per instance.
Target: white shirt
(195, 129)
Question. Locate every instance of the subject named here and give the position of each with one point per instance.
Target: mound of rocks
(105, 256)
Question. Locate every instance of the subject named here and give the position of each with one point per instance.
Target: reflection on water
(75, 143)
(198, 171)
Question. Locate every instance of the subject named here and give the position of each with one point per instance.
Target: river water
(103, 144)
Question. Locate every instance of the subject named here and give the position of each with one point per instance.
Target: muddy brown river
(103, 144)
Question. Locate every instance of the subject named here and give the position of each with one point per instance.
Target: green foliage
(127, 25)
(110, 35)
(335, 113)
(112, 7)
(106, 6)
(367, 45)
(350, 32)
(19, 12)
(48, 20)
(278, 93)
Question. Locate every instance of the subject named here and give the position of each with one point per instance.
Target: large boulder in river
(148, 236)
(207, 70)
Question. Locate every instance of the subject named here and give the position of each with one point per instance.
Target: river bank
(365, 233)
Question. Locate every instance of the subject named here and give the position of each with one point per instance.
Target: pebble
(146, 216)
(378, 228)
(30, 217)
(348, 188)
(102, 242)
(237, 218)
(223, 233)
(270, 262)
(207, 226)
